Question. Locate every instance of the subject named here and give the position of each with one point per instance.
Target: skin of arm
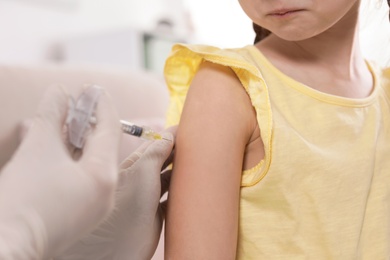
(217, 123)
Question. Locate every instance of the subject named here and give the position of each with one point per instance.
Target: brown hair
(388, 3)
(262, 33)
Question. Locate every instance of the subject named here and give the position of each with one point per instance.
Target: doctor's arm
(203, 205)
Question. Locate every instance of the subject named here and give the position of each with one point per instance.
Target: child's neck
(339, 52)
(332, 58)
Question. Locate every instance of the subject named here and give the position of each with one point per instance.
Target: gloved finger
(51, 112)
(165, 180)
(134, 156)
(159, 150)
(153, 152)
(102, 145)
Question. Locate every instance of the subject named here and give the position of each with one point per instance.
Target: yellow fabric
(323, 189)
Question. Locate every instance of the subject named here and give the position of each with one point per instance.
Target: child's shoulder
(187, 63)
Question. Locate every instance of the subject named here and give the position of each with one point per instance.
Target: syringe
(142, 132)
(81, 118)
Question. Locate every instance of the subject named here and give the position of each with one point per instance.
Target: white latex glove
(48, 200)
(133, 229)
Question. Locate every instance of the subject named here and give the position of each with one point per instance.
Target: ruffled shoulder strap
(184, 62)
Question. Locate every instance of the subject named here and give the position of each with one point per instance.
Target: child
(283, 147)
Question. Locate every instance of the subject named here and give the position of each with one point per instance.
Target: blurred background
(139, 34)
(126, 35)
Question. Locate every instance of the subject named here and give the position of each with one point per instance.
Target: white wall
(27, 30)
(221, 23)
(375, 31)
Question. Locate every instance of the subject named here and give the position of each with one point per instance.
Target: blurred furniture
(128, 48)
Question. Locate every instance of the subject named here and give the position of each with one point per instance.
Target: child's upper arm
(216, 124)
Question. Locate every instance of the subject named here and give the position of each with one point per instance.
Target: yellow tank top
(323, 188)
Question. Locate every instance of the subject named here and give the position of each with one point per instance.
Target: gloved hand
(48, 200)
(133, 229)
